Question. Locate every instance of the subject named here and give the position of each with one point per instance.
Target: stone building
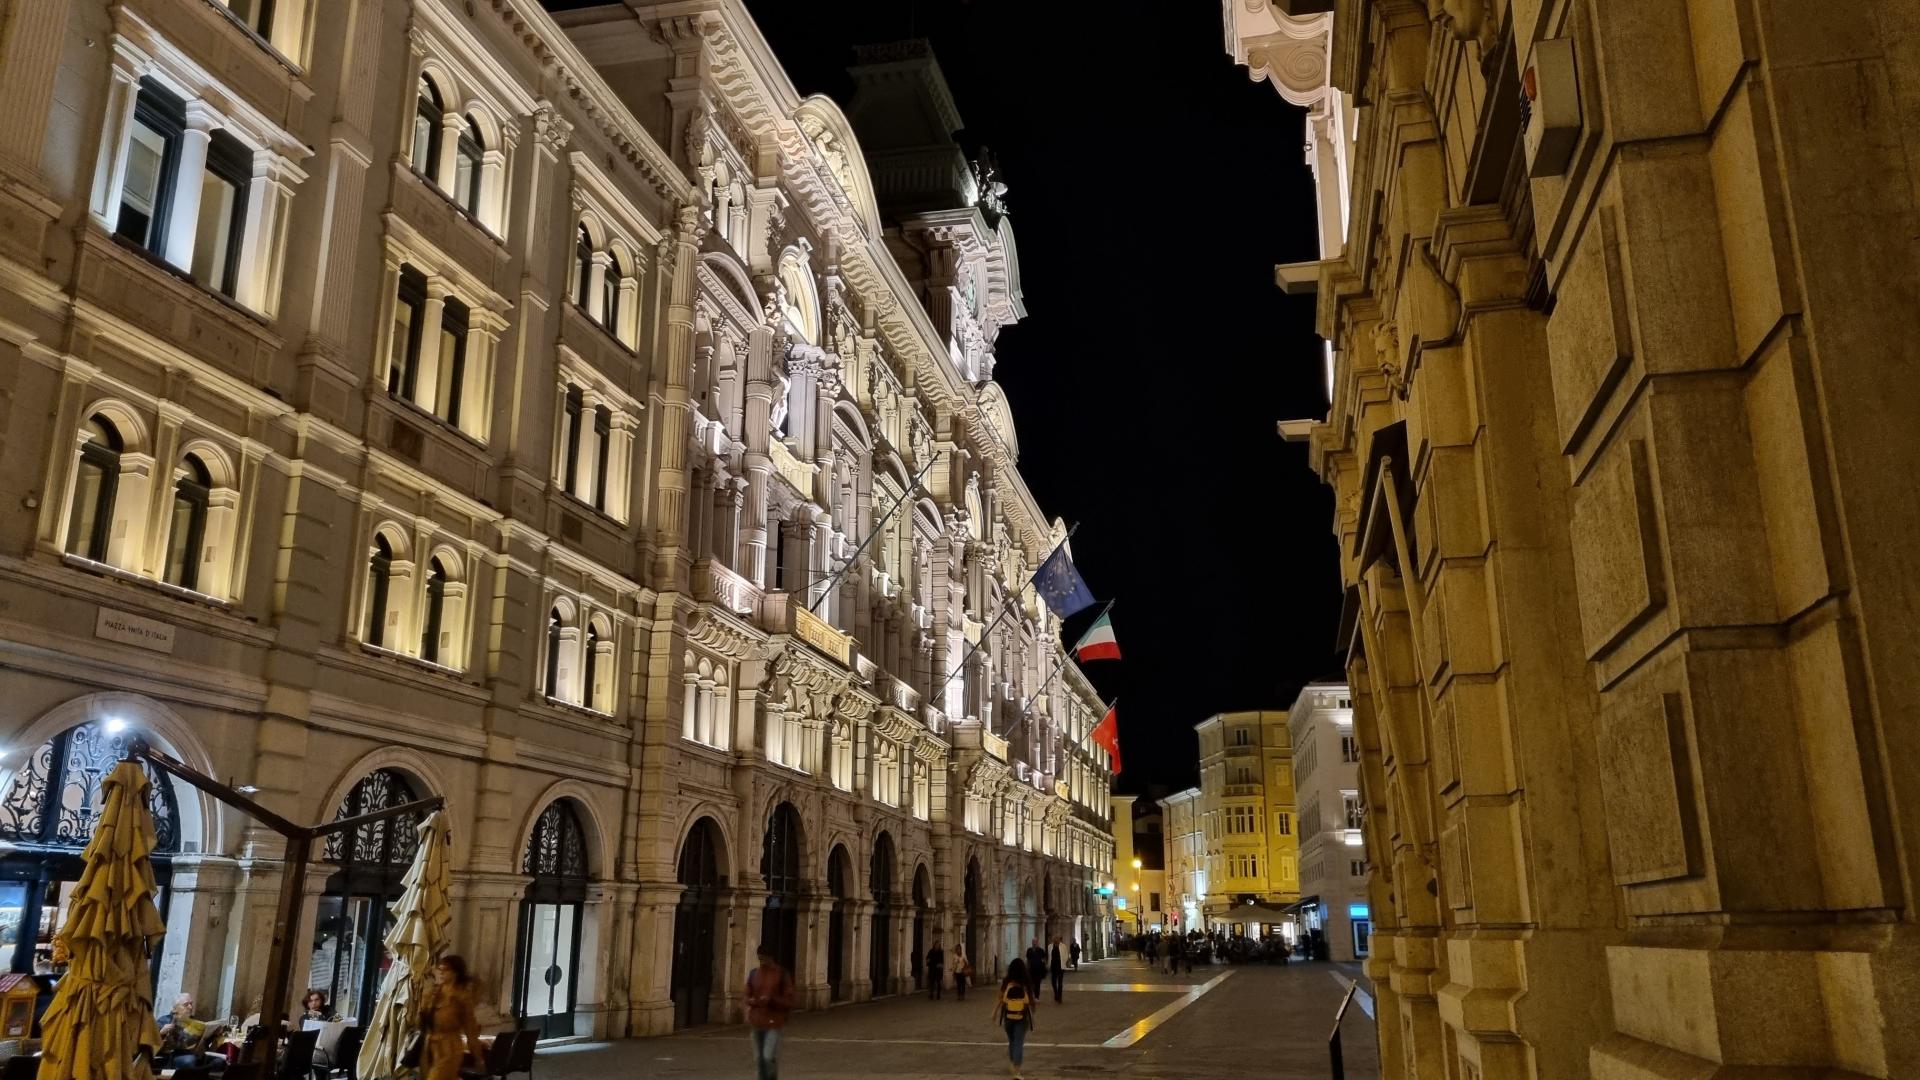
(1186, 872)
(1330, 825)
(402, 399)
(1245, 810)
(1616, 298)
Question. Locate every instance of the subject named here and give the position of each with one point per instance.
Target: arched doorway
(880, 884)
(922, 905)
(350, 930)
(780, 869)
(47, 817)
(839, 886)
(1047, 914)
(972, 909)
(694, 919)
(548, 965)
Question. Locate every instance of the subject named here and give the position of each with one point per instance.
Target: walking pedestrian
(1013, 1011)
(1036, 967)
(1186, 956)
(769, 1000)
(1056, 970)
(962, 971)
(936, 970)
(1073, 954)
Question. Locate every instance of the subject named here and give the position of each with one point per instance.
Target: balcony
(795, 472)
(715, 584)
(1241, 789)
(786, 613)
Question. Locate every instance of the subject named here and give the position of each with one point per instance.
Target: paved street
(1119, 1019)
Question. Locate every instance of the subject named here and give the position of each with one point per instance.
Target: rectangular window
(223, 213)
(1356, 811)
(453, 360)
(153, 165)
(1283, 823)
(1349, 749)
(1153, 901)
(256, 14)
(403, 349)
(1357, 867)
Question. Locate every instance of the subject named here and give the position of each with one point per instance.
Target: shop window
(551, 916)
(370, 865)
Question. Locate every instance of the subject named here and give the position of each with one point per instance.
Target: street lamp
(1136, 864)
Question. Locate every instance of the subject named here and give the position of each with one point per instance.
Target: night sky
(1152, 188)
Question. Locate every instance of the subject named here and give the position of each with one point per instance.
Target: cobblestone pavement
(1119, 1020)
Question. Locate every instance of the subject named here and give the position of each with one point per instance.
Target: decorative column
(110, 171)
(183, 219)
(675, 417)
(426, 372)
(263, 256)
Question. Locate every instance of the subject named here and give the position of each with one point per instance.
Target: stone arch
(600, 854)
(405, 760)
(200, 814)
(597, 233)
(849, 413)
(842, 842)
(734, 276)
(214, 457)
(722, 820)
(136, 435)
(442, 79)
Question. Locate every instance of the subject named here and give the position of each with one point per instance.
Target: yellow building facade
(1245, 801)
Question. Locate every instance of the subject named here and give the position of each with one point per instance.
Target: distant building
(1246, 858)
(1185, 846)
(1333, 855)
(1139, 877)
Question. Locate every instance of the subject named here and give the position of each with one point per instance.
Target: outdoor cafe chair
(296, 1057)
(499, 1060)
(522, 1061)
(345, 1059)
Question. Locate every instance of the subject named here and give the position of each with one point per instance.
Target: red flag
(1107, 734)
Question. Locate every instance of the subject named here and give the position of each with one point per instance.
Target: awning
(1251, 913)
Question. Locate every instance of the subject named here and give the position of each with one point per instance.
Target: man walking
(1036, 967)
(1056, 969)
(1073, 955)
(936, 970)
(769, 1000)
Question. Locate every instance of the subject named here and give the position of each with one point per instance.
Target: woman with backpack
(1013, 1010)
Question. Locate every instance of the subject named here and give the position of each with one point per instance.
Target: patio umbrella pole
(277, 992)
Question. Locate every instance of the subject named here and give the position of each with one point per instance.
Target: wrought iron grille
(558, 846)
(56, 797)
(387, 842)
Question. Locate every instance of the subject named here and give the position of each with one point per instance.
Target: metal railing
(1333, 1040)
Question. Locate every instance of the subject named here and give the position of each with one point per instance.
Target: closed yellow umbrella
(101, 1019)
(416, 942)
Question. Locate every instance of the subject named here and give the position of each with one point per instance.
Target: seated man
(181, 1036)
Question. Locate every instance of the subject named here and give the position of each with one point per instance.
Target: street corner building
(409, 398)
(1617, 300)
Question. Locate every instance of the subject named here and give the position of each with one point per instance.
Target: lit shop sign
(1120, 902)
(1106, 890)
(1357, 911)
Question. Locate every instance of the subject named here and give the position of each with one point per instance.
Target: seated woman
(314, 1007)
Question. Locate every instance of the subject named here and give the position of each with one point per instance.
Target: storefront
(548, 961)
(350, 929)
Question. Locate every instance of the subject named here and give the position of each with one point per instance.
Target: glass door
(551, 947)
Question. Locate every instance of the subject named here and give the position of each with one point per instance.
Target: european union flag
(1061, 586)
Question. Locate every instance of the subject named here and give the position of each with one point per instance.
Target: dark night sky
(1152, 188)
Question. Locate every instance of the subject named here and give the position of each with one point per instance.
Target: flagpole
(1006, 607)
(1048, 681)
(875, 531)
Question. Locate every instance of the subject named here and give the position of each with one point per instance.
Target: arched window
(466, 171)
(188, 535)
(610, 295)
(46, 820)
(379, 582)
(780, 870)
(90, 517)
(553, 653)
(370, 863)
(583, 266)
(593, 671)
(550, 917)
(430, 635)
(428, 115)
(570, 468)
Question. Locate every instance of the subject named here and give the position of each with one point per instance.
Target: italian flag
(1098, 643)
(1106, 734)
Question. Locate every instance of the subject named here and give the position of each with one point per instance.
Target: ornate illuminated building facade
(1618, 298)
(411, 397)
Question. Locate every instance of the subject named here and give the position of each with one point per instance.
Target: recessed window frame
(379, 590)
(187, 538)
(102, 455)
(429, 113)
(164, 116)
(403, 366)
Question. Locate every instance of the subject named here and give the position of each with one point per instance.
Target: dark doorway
(780, 869)
(972, 908)
(880, 883)
(547, 965)
(922, 900)
(838, 867)
(694, 921)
